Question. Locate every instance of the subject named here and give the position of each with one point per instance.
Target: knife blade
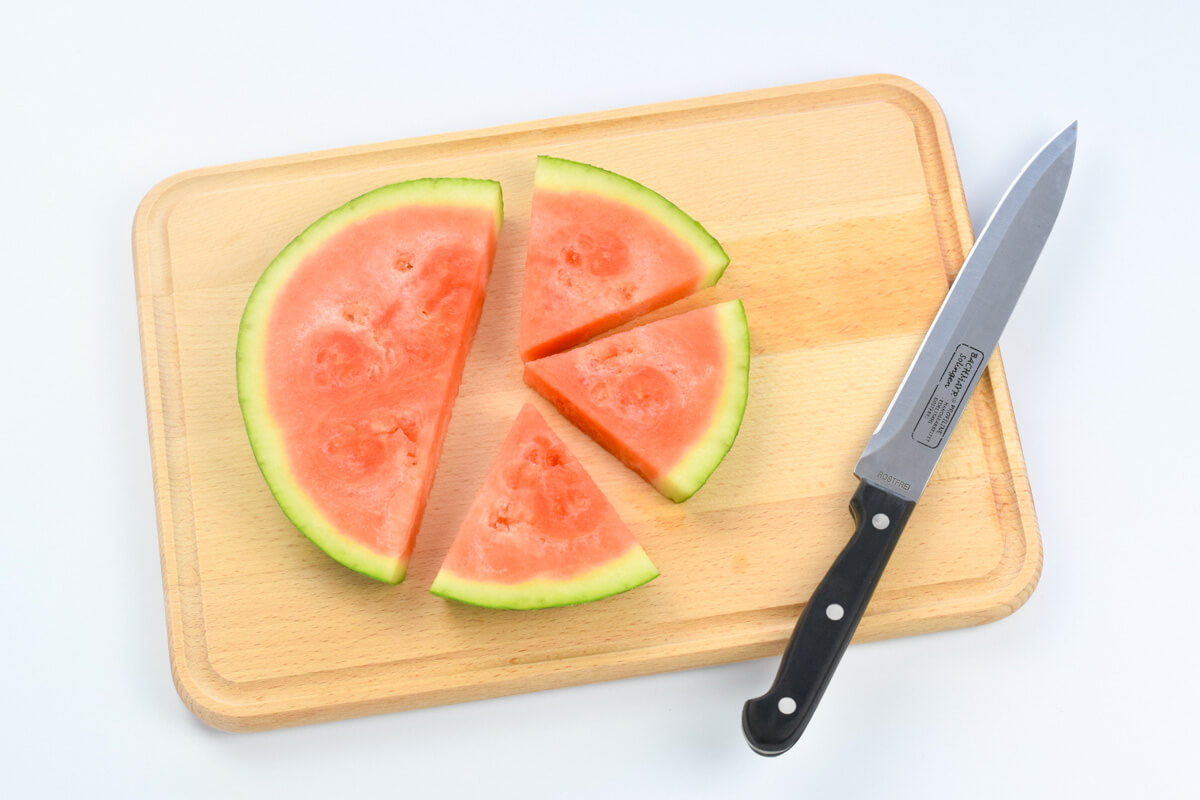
(901, 454)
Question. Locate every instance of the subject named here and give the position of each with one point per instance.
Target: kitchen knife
(905, 447)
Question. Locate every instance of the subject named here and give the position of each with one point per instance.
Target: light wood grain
(842, 209)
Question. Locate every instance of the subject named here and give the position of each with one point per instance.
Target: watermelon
(349, 356)
(602, 251)
(666, 398)
(540, 533)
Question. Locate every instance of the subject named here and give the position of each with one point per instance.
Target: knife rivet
(834, 611)
(880, 521)
(787, 705)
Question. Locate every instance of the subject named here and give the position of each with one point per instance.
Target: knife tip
(1062, 147)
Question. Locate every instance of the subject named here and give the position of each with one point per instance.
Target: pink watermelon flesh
(602, 251)
(364, 352)
(540, 533)
(666, 398)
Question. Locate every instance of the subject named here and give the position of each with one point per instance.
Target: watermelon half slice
(540, 533)
(349, 356)
(602, 251)
(666, 398)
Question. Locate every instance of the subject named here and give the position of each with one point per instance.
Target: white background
(1088, 691)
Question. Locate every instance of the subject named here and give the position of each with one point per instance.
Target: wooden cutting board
(841, 207)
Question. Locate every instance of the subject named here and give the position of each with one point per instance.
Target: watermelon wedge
(602, 251)
(540, 533)
(349, 356)
(666, 398)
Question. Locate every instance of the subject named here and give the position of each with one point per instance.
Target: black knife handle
(772, 723)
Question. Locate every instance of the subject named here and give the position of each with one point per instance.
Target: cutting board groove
(842, 210)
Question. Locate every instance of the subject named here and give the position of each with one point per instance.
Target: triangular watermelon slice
(540, 533)
(603, 250)
(666, 398)
(349, 356)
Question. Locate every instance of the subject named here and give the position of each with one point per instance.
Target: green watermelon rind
(265, 438)
(560, 174)
(628, 571)
(700, 461)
